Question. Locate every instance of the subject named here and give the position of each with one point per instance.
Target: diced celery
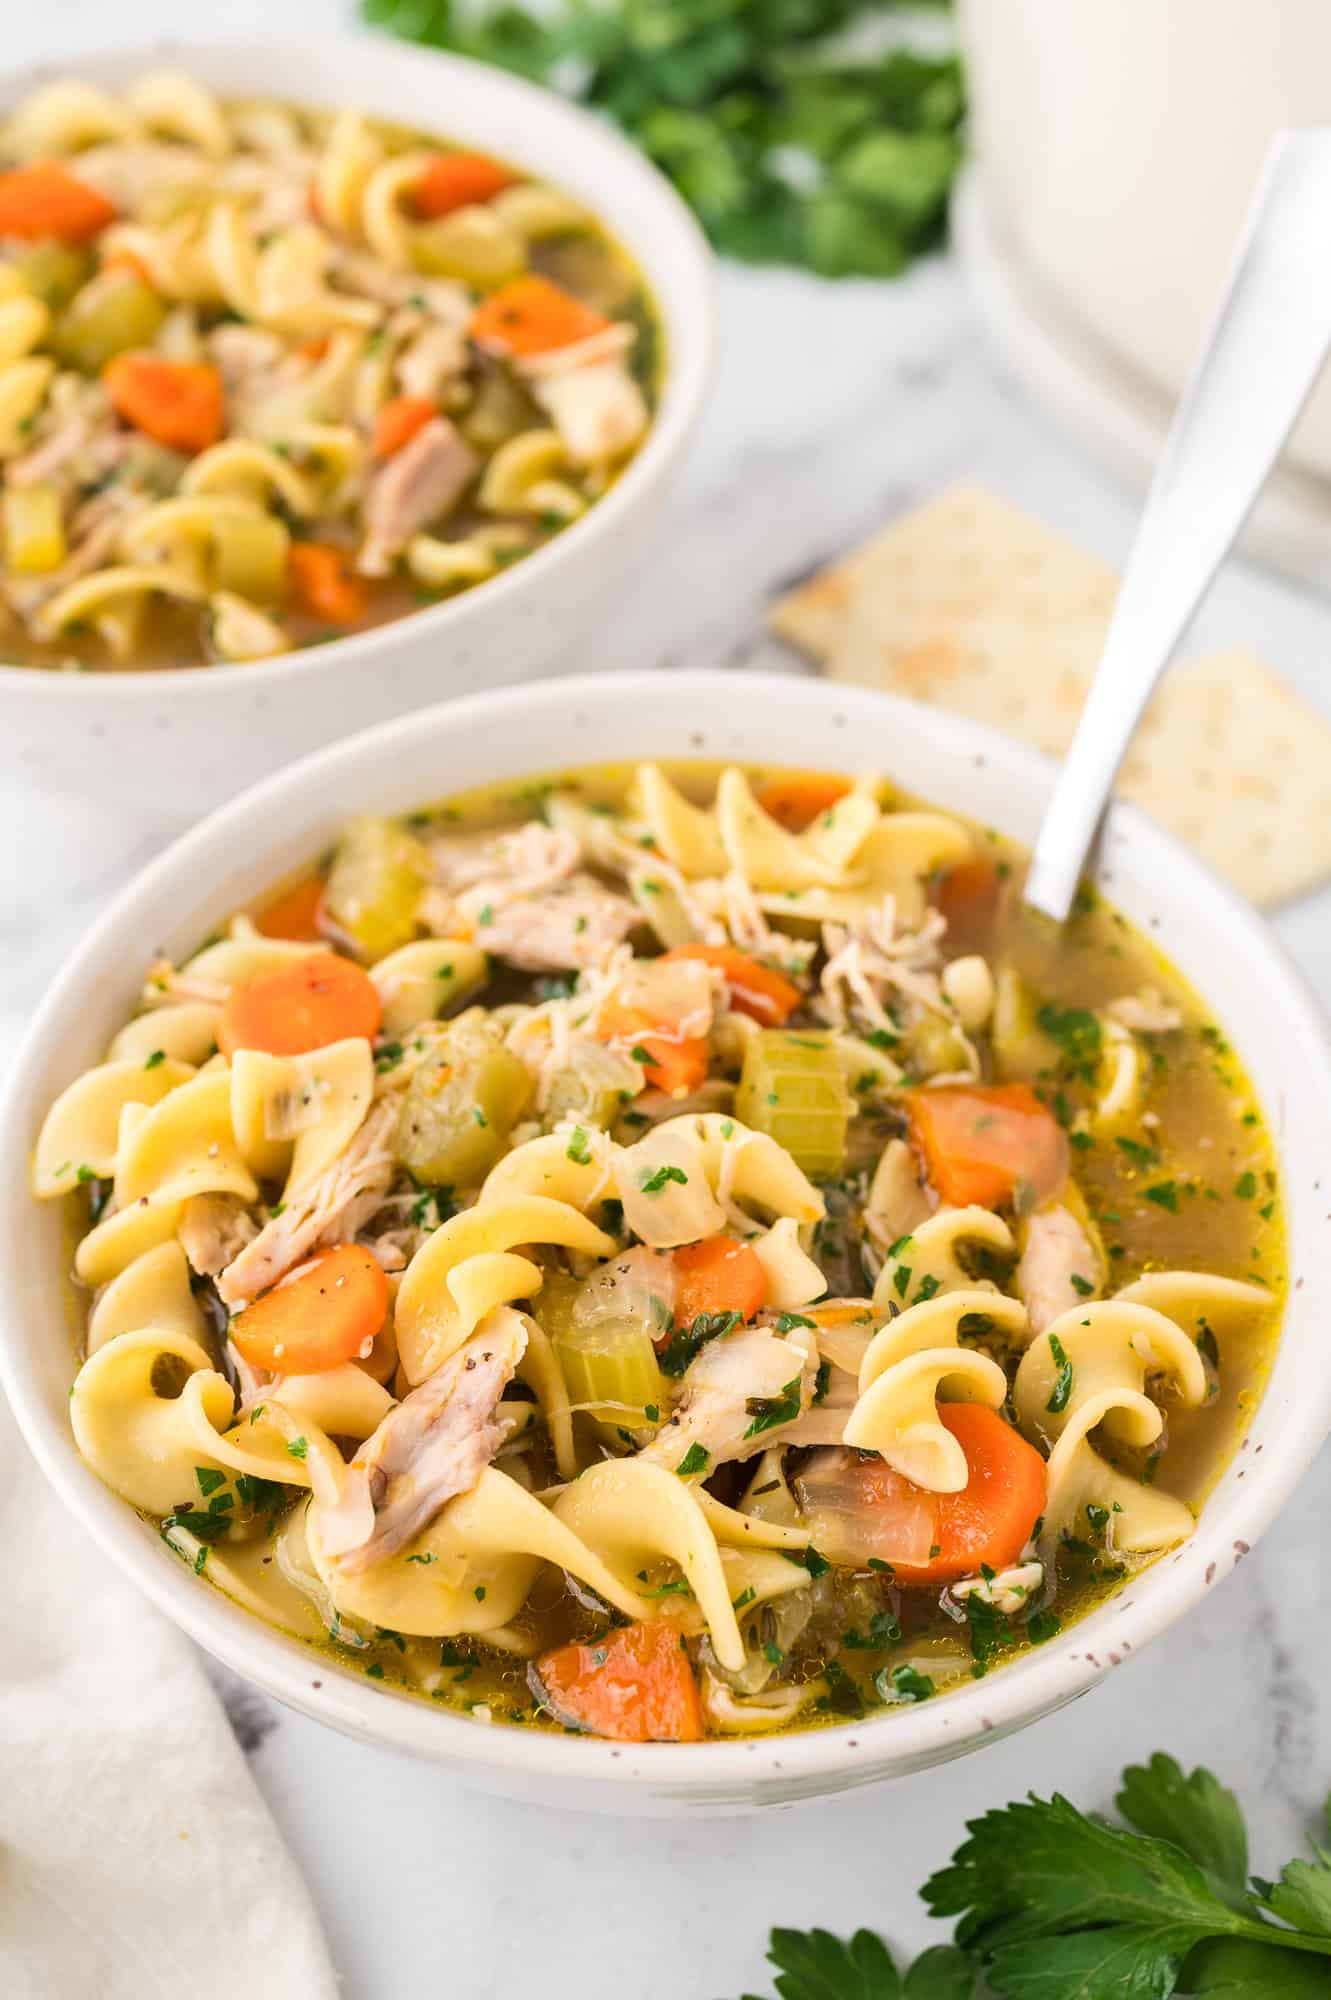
(501, 409)
(460, 1108)
(610, 1371)
(34, 530)
(375, 884)
(250, 556)
(470, 244)
(52, 271)
(113, 313)
(792, 1086)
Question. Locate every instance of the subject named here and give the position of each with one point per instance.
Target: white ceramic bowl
(188, 737)
(1214, 939)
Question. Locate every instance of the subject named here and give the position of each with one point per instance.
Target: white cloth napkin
(137, 1859)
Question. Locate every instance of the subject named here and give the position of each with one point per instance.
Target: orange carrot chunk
(992, 1518)
(322, 585)
(398, 422)
(635, 1685)
(717, 1275)
(968, 894)
(294, 915)
(46, 200)
(177, 403)
(671, 1062)
(797, 798)
(323, 1313)
(979, 1141)
(531, 316)
(456, 180)
(318, 1000)
(755, 989)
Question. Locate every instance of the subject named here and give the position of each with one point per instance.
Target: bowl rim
(743, 1770)
(685, 383)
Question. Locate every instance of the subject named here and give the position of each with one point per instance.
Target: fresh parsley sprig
(1053, 1903)
(786, 153)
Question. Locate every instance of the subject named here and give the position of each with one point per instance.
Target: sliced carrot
(315, 348)
(797, 798)
(323, 1313)
(635, 1685)
(294, 914)
(968, 894)
(992, 1518)
(47, 200)
(456, 180)
(674, 1063)
(755, 989)
(178, 403)
(318, 1000)
(979, 1141)
(398, 422)
(531, 316)
(717, 1275)
(322, 584)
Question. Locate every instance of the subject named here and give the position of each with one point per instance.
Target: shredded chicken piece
(1146, 1013)
(576, 924)
(731, 1385)
(1009, 1591)
(418, 485)
(1056, 1253)
(434, 1445)
(598, 410)
(213, 1230)
(436, 355)
(730, 900)
(871, 958)
(500, 867)
(330, 1210)
(244, 352)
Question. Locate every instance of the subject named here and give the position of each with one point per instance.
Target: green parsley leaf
(1165, 1195)
(814, 1965)
(685, 1341)
(1062, 1389)
(1078, 1033)
(695, 1459)
(769, 1411)
(297, 1447)
(1196, 1813)
(896, 1684)
(577, 1148)
(157, 1056)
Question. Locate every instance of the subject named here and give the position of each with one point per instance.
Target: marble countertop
(836, 406)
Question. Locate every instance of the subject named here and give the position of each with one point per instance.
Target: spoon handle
(1261, 357)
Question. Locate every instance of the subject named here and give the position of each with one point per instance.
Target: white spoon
(1261, 357)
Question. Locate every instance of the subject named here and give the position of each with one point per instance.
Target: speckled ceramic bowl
(1214, 939)
(188, 737)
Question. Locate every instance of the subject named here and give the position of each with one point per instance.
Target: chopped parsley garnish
(1081, 1286)
(769, 1411)
(297, 1448)
(1164, 1194)
(1078, 1033)
(788, 1321)
(653, 1183)
(577, 1148)
(157, 1056)
(1061, 1392)
(1245, 1187)
(696, 1459)
(903, 1683)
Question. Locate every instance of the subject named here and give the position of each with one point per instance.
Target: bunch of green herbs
(788, 149)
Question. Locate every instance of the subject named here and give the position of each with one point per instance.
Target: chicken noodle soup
(668, 1253)
(270, 376)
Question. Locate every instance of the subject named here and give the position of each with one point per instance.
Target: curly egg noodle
(268, 376)
(692, 1259)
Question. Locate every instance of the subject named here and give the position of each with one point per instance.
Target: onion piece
(858, 1510)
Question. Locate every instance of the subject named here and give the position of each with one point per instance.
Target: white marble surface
(836, 405)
